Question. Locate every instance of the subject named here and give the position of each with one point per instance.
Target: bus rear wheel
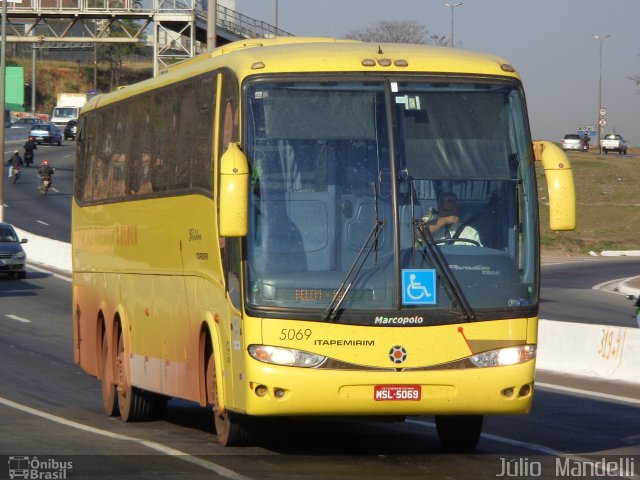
(135, 405)
(109, 393)
(459, 431)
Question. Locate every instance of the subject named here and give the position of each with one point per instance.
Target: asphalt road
(583, 290)
(51, 410)
(24, 207)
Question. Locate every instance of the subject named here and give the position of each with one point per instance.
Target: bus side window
(231, 261)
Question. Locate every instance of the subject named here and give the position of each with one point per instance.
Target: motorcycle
(15, 174)
(636, 304)
(28, 158)
(45, 184)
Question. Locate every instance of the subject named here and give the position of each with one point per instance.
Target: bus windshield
(390, 199)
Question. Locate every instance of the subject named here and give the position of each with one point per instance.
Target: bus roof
(323, 55)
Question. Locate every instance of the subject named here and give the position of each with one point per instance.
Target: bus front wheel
(231, 428)
(459, 431)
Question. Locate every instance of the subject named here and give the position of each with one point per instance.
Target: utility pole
(212, 8)
(33, 80)
(3, 75)
(601, 111)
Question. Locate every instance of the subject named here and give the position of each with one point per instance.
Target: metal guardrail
(243, 25)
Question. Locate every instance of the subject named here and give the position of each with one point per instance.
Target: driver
(446, 229)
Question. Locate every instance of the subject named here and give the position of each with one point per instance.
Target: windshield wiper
(436, 257)
(369, 244)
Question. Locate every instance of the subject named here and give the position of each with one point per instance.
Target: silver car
(572, 141)
(13, 260)
(46, 133)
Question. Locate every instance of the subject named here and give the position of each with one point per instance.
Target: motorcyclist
(14, 161)
(29, 147)
(45, 170)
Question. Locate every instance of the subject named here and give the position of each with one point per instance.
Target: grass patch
(607, 204)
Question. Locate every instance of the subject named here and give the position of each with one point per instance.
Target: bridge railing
(234, 22)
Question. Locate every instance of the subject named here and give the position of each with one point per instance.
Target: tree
(114, 53)
(390, 31)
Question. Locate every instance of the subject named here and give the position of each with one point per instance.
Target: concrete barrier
(51, 253)
(600, 351)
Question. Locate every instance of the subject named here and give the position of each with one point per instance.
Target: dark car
(13, 260)
(47, 133)
(70, 130)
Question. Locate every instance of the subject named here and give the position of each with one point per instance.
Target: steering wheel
(451, 241)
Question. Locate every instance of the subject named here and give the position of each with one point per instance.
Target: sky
(549, 42)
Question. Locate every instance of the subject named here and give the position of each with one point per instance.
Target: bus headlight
(504, 356)
(285, 356)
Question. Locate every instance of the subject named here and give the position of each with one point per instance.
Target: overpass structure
(179, 27)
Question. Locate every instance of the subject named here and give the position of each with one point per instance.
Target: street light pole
(277, 8)
(601, 119)
(452, 6)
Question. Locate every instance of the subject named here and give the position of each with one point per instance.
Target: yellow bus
(258, 230)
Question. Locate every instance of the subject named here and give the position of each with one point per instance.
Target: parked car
(47, 133)
(613, 143)
(13, 260)
(572, 141)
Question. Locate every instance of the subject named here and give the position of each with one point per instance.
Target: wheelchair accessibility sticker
(419, 287)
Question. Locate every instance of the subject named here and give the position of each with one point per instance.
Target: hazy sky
(550, 42)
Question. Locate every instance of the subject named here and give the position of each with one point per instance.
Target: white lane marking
(17, 318)
(158, 447)
(589, 393)
(43, 223)
(57, 275)
(608, 282)
(509, 441)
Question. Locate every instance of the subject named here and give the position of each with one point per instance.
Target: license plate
(397, 392)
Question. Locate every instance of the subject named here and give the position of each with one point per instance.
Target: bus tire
(109, 393)
(231, 429)
(135, 405)
(459, 431)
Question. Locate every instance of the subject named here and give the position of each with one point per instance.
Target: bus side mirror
(562, 193)
(234, 193)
